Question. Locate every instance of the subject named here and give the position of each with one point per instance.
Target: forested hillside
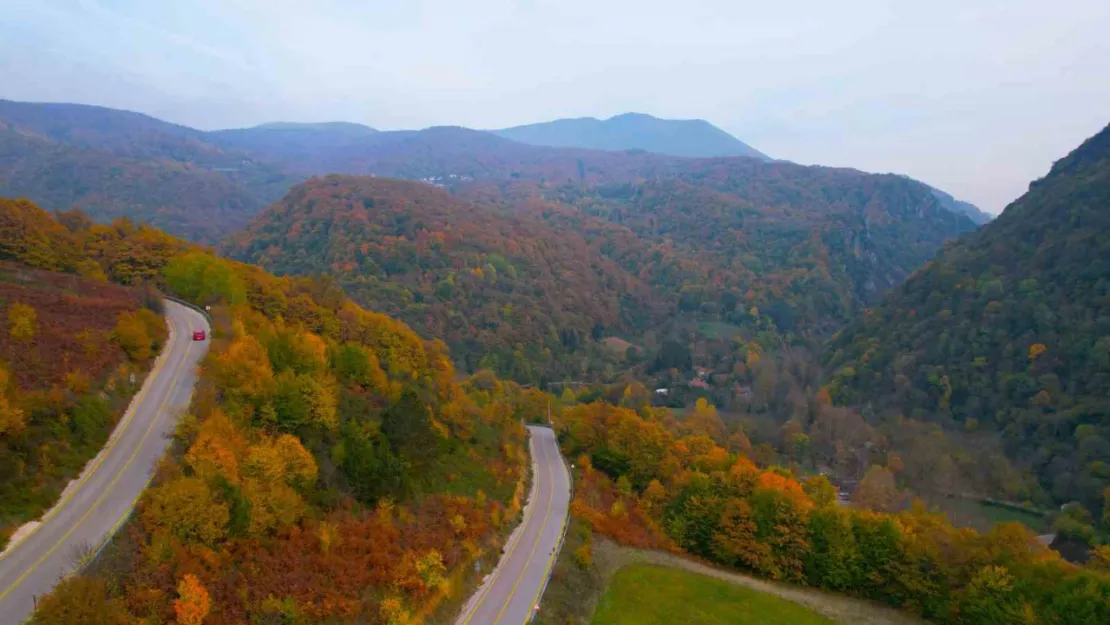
(531, 269)
(1007, 331)
(647, 480)
(807, 245)
(732, 222)
(331, 466)
(68, 348)
(505, 290)
(121, 164)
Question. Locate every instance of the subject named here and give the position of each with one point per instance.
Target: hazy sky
(977, 97)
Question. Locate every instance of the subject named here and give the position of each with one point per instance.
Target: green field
(983, 516)
(642, 594)
(718, 330)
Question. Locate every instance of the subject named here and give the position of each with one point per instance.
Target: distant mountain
(964, 208)
(348, 128)
(1006, 331)
(634, 131)
(399, 153)
(293, 142)
(119, 133)
(117, 163)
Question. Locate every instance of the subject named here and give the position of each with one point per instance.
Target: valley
(768, 366)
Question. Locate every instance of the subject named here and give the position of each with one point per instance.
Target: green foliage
(204, 279)
(643, 594)
(372, 470)
(673, 355)
(407, 425)
(832, 558)
(90, 419)
(304, 400)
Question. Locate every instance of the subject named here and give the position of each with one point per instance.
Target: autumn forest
(818, 376)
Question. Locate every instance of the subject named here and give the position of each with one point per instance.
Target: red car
(198, 335)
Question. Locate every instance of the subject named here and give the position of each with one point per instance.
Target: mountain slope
(634, 131)
(959, 206)
(523, 275)
(808, 246)
(117, 163)
(1009, 330)
(506, 291)
(315, 424)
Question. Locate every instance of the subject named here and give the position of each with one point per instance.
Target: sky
(976, 97)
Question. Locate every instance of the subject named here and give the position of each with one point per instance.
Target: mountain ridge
(123, 164)
(695, 138)
(1007, 330)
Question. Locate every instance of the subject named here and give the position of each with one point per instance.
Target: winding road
(95, 506)
(510, 593)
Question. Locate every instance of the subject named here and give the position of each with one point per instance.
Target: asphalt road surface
(90, 511)
(513, 589)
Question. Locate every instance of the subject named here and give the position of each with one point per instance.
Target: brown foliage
(73, 318)
(82, 600)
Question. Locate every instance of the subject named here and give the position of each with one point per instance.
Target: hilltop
(505, 290)
(634, 131)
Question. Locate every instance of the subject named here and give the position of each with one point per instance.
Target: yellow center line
(524, 569)
(87, 474)
(529, 512)
(551, 558)
(111, 485)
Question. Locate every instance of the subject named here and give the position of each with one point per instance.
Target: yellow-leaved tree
(22, 322)
(243, 370)
(186, 508)
(136, 333)
(272, 471)
(12, 418)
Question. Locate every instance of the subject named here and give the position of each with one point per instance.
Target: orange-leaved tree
(192, 603)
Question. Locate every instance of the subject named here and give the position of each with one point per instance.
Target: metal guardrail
(186, 304)
(95, 551)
